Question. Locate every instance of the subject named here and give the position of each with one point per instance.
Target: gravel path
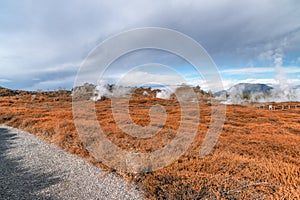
(30, 168)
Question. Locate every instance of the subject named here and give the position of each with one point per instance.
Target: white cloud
(256, 70)
(3, 80)
(136, 78)
(237, 71)
(53, 84)
(63, 67)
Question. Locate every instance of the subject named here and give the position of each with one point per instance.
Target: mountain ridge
(246, 89)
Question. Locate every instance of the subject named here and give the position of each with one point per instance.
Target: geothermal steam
(103, 89)
(282, 90)
(166, 92)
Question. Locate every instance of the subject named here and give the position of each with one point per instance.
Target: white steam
(282, 91)
(103, 89)
(166, 92)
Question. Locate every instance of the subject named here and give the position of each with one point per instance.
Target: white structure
(270, 107)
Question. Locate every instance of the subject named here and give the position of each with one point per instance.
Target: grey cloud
(35, 35)
(238, 29)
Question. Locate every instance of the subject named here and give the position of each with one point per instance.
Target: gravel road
(30, 168)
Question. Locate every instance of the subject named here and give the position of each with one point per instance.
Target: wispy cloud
(53, 84)
(2, 80)
(257, 70)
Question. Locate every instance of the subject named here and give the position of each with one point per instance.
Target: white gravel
(30, 168)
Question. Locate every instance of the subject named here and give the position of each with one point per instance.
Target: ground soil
(256, 157)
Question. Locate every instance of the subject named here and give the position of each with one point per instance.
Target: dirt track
(30, 168)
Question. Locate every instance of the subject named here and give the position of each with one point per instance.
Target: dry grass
(257, 155)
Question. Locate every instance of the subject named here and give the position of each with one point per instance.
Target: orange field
(257, 155)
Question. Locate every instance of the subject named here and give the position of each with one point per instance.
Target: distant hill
(297, 87)
(246, 89)
(8, 92)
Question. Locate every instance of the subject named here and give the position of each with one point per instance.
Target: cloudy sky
(43, 43)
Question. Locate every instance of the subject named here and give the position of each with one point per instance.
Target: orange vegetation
(257, 155)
